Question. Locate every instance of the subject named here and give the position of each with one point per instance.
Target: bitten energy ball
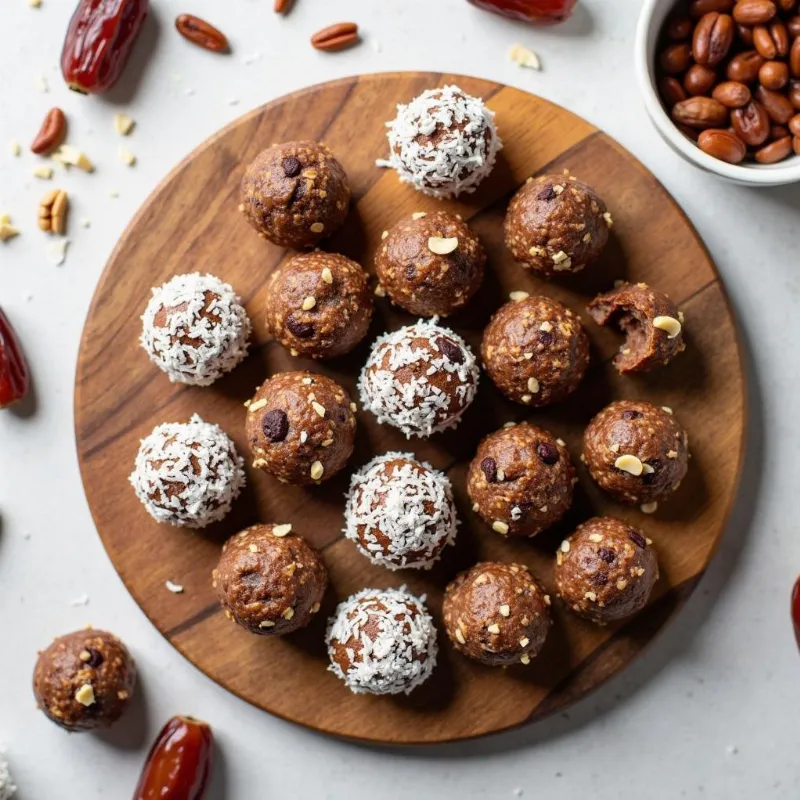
(84, 680)
(497, 614)
(650, 321)
(301, 427)
(443, 142)
(419, 379)
(606, 570)
(319, 304)
(556, 224)
(637, 452)
(269, 580)
(295, 194)
(520, 481)
(535, 350)
(195, 329)
(187, 473)
(400, 512)
(430, 264)
(382, 642)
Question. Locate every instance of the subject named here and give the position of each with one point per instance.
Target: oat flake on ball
(400, 512)
(195, 329)
(382, 641)
(444, 142)
(187, 473)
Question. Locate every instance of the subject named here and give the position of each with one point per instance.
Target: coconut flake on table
(392, 505)
(416, 406)
(460, 159)
(7, 786)
(191, 348)
(396, 658)
(165, 480)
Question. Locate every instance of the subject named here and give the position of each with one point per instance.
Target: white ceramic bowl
(652, 17)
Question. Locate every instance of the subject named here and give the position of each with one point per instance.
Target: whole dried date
(14, 376)
(538, 12)
(99, 41)
(179, 764)
(203, 34)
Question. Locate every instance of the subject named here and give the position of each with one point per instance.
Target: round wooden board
(191, 223)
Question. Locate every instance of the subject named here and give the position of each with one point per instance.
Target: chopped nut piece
(175, 588)
(533, 385)
(591, 596)
(500, 527)
(493, 628)
(327, 275)
(649, 508)
(35, 3)
(419, 214)
(667, 409)
(669, 325)
(608, 218)
(317, 227)
(16, 148)
(72, 157)
(380, 291)
(595, 537)
(565, 546)
(288, 614)
(621, 584)
(517, 296)
(308, 303)
(258, 405)
(85, 695)
(525, 659)
(505, 610)
(7, 230)
(57, 252)
(282, 530)
(123, 124)
(125, 156)
(630, 464)
(43, 171)
(440, 246)
(317, 470)
(320, 409)
(525, 57)
(524, 641)
(460, 636)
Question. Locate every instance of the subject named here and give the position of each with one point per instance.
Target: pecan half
(336, 37)
(52, 132)
(201, 33)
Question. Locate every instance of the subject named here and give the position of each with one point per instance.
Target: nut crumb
(123, 124)
(126, 157)
(525, 57)
(175, 588)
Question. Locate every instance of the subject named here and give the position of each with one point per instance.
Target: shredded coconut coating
(444, 142)
(419, 379)
(195, 329)
(382, 641)
(400, 512)
(7, 787)
(187, 473)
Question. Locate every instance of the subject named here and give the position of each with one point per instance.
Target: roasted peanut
(794, 58)
(671, 91)
(701, 113)
(744, 67)
(751, 123)
(732, 94)
(676, 58)
(777, 105)
(698, 8)
(723, 145)
(773, 75)
(774, 151)
(763, 42)
(754, 12)
(699, 80)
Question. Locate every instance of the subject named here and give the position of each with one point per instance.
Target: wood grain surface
(191, 223)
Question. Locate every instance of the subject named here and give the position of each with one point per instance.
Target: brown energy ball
(318, 304)
(535, 350)
(556, 224)
(295, 194)
(430, 264)
(650, 321)
(521, 479)
(636, 452)
(301, 427)
(497, 614)
(606, 570)
(270, 580)
(84, 680)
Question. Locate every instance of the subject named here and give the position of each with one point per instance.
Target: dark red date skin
(179, 764)
(14, 374)
(99, 41)
(537, 12)
(796, 610)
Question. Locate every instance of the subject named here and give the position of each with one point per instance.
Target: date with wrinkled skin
(537, 12)
(14, 374)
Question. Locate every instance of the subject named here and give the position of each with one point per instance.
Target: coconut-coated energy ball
(382, 641)
(295, 194)
(606, 570)
(430, 263)
(270, 580)
(195, 329)
(84, 680)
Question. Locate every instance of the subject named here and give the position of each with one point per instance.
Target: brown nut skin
(295, 194)
(520, 481)
(639, 429)
(754, 12)
(632, 307)
(93, 657)
(778, 107)
(744, 67)
(764, 43)
(723, 145)
(342, 310)
(712, 38)
(535, 350)
(701, 113)
(774, 75)
(732, 94)
(275, 430)
(605, 571)
(496, 594)
(774, 151)
(421, 281)
(268, 583)
(556, 224)
(751, 123)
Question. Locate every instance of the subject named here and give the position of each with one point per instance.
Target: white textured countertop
(711, 710)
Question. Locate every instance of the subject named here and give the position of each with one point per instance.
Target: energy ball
(520, 481)
(84, 681)
(535, 350)
(430, 264)
(270, 580)
(497, 614)
(382, 641)
(650, 321)
(295, 194)
(636, 452)
(187, 473)
(606, 570)
(318, 304)
(444, 142)
(301, 427)
(400, 512)
(419, 379)
(556, 224)
(195, 329)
